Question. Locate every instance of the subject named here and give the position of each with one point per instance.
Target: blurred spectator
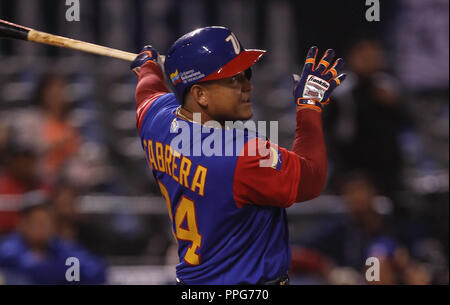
(66, 214)
(35, 255)
(60, 140)
(364, 121)
(47, 128)
(70, 225)
(19, 176)
(336, 250)
(396, 264)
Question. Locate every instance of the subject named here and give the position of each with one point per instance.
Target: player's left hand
(313, 88)
(148, 53)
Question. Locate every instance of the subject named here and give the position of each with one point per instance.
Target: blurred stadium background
(67, 126)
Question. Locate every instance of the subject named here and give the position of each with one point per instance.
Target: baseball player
(228, 210)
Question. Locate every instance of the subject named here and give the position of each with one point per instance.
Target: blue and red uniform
(228, 213)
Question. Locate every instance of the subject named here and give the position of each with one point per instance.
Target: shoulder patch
(275, 156)
(174, 126)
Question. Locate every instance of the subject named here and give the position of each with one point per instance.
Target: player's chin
(245, 111)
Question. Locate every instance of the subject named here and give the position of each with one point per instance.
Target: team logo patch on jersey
(175, 78)
(276, 158)
(174, 126)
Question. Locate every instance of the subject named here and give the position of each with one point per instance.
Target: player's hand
(147, 53)
(312, 89)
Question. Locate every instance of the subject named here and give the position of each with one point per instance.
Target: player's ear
(199, 94)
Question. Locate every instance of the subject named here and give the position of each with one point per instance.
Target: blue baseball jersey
(227, 211)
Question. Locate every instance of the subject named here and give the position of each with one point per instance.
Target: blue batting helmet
(206, 54)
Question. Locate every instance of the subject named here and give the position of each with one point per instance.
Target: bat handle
(13, 31)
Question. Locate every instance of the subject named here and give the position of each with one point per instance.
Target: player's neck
(187, 113)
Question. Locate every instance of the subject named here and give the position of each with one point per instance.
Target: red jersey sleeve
(309, 145)
(283, 177)
(269, 178)
(150, 87)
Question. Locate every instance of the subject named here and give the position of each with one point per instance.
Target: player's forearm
(151, 82)
(309, 144)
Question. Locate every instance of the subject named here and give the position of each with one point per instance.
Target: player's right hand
(313, 88)
(147, 53)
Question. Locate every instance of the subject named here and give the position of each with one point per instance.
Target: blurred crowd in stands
(69, 133)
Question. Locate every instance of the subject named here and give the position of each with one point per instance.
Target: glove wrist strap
(310, 103)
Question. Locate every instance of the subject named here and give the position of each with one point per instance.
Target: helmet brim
(242, 62)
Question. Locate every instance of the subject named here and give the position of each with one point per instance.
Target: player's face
(229, 98)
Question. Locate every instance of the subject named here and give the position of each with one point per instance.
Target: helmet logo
(234, 42)
(175, 77)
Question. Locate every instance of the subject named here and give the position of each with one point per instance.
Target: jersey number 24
(185, 210)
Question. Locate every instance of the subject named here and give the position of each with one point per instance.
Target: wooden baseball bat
(14, 31)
